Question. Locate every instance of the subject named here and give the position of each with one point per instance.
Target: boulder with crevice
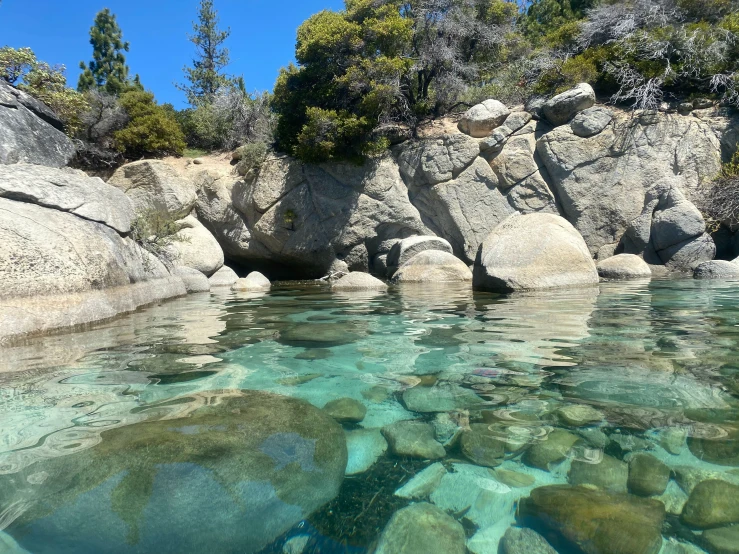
(156, 186)
(603, 182)
(194, 246)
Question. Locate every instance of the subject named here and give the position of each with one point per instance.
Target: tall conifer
(107, 70)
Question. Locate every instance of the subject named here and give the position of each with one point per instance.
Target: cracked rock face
(30, 132)
(602, 181)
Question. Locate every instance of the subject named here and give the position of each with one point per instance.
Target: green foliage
(250, 157)
(14, 64)
(152, 129)
(107, 70)
(44, 82)
(206, 75)
(156, 232)
(551, 21)
(383, 62)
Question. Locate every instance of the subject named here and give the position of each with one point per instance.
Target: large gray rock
(301, 218)
(525, 541)
(717, 269)
(670, 229)
(59, 269)
(463, 210)
(433, 266)
(520, 176)
(254, 282)
(67, 191)
(154, 185)
(604, 183)
(624, 266)
(434, 161)
(420, 529)
(194, 280)
(560, 109)
(216, 211)
(592, 121)
(531, 252)
(480, 120)
(196, 247)
(224, 277)
(407, 249)
(30, 132)
(233, 487)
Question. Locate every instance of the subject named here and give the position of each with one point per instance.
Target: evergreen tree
(107, 70)
(206, 75)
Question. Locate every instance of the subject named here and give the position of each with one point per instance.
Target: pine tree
(206, 75)
(107, 70)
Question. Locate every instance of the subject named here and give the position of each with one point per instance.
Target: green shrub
(152, 129)
(44, 82)
(155, 232)
(250, 157)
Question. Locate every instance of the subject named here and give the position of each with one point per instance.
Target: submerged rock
(346, 410)
(525, 541)
(423, 484)
(414, 439)
(724, 540)
(579, 415)
(551, 450)
(365, 446)
(648, 476)
(722, 451)
(609, 474)
(531, 252)
(440, 398)
(421, 529)
(515, 479)
(319, 335)
(246, 466)
(597, 522)
(712, 503)
(481, 446)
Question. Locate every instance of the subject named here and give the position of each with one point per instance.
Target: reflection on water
(649, 358)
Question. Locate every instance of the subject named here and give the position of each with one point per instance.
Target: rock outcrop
(65, 257)
(154, 185)
(613, 183)
(30, 132)
(532, 252)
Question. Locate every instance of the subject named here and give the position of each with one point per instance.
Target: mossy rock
(551, 450)
(712, 503)
(594, 521)
(722, 451)
(648, 476)
(203, 473)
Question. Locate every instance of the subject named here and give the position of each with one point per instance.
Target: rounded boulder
(534, 252)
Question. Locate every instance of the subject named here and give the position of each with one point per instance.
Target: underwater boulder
(213, 472)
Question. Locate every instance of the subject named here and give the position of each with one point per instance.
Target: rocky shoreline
(546, 196)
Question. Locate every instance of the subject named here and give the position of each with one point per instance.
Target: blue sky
(262, 39)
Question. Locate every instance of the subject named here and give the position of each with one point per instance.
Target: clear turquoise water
(649, 356)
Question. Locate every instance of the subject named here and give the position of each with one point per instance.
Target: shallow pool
(145, 434)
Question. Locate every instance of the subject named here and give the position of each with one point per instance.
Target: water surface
(651, 357)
